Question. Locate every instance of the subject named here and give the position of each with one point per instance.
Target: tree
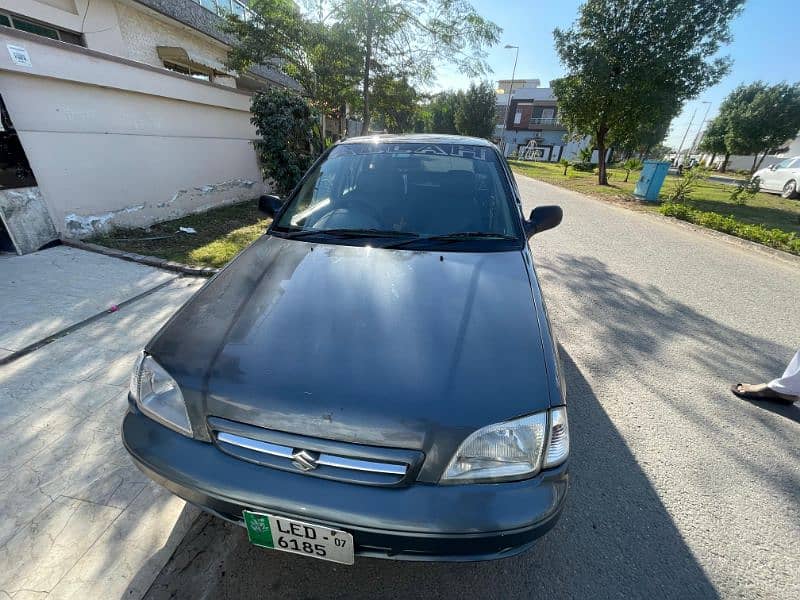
(443, 108)
(405, 38)
(628, 61)
(323, 59)
(713, 139)
(395, 103)
(659, 151)
(475, 113)
(759, 117)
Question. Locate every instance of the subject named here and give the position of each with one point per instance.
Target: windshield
(395, 189)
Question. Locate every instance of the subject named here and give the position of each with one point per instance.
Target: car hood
(394, 348)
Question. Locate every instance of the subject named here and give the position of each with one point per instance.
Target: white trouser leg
(790, 382)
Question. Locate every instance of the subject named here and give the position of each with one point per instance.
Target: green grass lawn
(221, 234)
(769, 210)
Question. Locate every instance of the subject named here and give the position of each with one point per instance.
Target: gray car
(375, 375)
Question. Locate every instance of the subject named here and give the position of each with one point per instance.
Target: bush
(289, 133)
(745, 191)
(774, 238)
(583, 166)
(585, 154)
(632, 164)
(687, 184)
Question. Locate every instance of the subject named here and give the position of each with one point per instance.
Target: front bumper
(417, 522)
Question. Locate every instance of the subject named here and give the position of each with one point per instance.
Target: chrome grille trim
(328, 460)
(354, 464)
(255, 445)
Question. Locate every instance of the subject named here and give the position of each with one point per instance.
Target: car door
(775, 178)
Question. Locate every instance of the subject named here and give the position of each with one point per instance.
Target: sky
(764, 47)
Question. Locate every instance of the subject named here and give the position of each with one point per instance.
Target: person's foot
(760, 391)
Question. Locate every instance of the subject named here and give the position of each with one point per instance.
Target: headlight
(158, 396)
(511, 450)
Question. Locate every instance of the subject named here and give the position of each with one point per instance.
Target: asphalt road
(678, 490)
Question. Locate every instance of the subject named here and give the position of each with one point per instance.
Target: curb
(150, 261)
(781, 255)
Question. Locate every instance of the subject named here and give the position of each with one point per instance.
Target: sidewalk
(77, 519)
(47, 291)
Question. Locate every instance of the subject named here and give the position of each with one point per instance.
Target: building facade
(122, 113)
(532, 128)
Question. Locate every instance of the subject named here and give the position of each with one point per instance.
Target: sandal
(765, 394)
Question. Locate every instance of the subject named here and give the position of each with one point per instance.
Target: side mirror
(773, 167)
(269, 204)
(543, 218)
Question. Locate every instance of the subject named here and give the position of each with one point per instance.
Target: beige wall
(118, 143)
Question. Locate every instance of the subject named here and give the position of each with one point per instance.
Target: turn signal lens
(558, 440)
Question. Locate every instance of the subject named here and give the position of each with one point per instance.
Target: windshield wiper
(351, 233)
(455, 237)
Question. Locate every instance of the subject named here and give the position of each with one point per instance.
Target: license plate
(288, 535)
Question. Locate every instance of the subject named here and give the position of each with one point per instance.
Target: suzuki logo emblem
(305, 460)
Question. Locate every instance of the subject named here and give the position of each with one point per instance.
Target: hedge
(774, 238)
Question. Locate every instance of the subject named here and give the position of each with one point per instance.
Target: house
(122, 113)
(532, 125)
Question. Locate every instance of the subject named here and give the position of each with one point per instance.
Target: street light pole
(699, 135)
(508, 101)
(678, 156)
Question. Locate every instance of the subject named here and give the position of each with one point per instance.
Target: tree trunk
(755, 160)
(365, 89)
(724, 166)
(602, 175)
(711, 162)
(763, 156)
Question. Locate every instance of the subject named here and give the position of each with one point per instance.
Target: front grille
(317, 457)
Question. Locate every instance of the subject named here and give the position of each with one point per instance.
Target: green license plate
(297, 537)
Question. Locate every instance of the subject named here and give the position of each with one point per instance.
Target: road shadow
(615, 539)
(788, 411)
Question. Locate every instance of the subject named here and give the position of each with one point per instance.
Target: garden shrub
(745, 191)
(774, 238)
(632, 164)
(687, 184)
(289, 131)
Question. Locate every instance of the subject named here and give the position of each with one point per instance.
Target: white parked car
(781, 178)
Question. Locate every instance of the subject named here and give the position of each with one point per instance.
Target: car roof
(417, 138)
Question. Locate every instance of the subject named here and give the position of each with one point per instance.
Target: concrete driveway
(77, 519)
(679, 489)
(47, 292)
